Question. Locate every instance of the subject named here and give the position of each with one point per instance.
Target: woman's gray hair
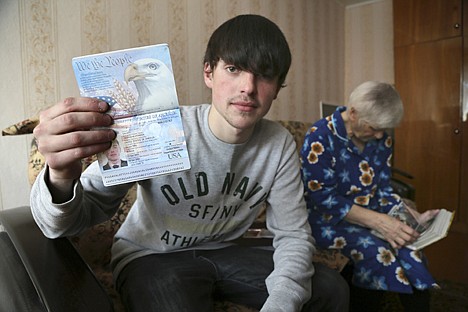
(377, 103)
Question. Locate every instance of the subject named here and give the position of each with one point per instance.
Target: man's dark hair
(252, 43)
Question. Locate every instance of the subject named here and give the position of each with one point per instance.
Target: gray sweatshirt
(205, 207)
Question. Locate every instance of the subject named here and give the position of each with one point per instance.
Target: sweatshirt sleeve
(289, 285)
(83, 210)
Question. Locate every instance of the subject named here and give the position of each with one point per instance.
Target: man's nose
(248, 82)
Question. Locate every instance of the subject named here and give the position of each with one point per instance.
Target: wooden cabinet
(431, 143)
(417, 21)
(428, 79)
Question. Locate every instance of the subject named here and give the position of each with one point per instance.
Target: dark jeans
(192, 280)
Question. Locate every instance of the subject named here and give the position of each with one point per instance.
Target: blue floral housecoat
(337, 175)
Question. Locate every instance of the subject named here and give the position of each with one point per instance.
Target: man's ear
(208, 75)
(277, 91)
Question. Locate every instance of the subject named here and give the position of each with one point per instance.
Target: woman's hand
(426, 216)
(394, 231)
(397, 233)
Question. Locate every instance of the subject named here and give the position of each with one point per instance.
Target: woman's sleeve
(318, 159)
(386, 196)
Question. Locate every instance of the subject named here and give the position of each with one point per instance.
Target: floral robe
(337, 175)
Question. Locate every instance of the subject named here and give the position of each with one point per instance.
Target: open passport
(139, 86)
(430, 231)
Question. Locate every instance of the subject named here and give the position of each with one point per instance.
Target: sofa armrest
(62, 279)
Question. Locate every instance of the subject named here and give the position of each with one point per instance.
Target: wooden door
(428, 144)
(432, 142)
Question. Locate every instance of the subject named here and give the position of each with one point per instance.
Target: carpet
(452, 297)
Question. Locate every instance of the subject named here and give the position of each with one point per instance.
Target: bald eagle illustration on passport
(133, 81)
(154, 83)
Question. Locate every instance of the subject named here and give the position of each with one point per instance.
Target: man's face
(239, 98)
(113, 153)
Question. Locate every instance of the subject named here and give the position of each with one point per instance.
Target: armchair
(52, 266)
(74, 274)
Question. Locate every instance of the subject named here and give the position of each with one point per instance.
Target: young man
(174, 252)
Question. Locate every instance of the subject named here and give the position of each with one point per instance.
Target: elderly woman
(346, 170)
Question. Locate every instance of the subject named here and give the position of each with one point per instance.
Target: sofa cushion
(23, 127)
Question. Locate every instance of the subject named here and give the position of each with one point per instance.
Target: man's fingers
(61, 160)
(70, 131)
(81, 121)
(72, 122)
(74, 105)
(81, 142)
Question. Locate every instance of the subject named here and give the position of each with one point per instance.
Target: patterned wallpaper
(52, 32)
(334, 48)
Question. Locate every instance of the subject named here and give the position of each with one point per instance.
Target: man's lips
(244, 106)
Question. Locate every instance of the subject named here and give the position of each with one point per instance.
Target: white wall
(14, 187)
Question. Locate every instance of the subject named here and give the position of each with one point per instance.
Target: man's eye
(266, 78)
(231, 69)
